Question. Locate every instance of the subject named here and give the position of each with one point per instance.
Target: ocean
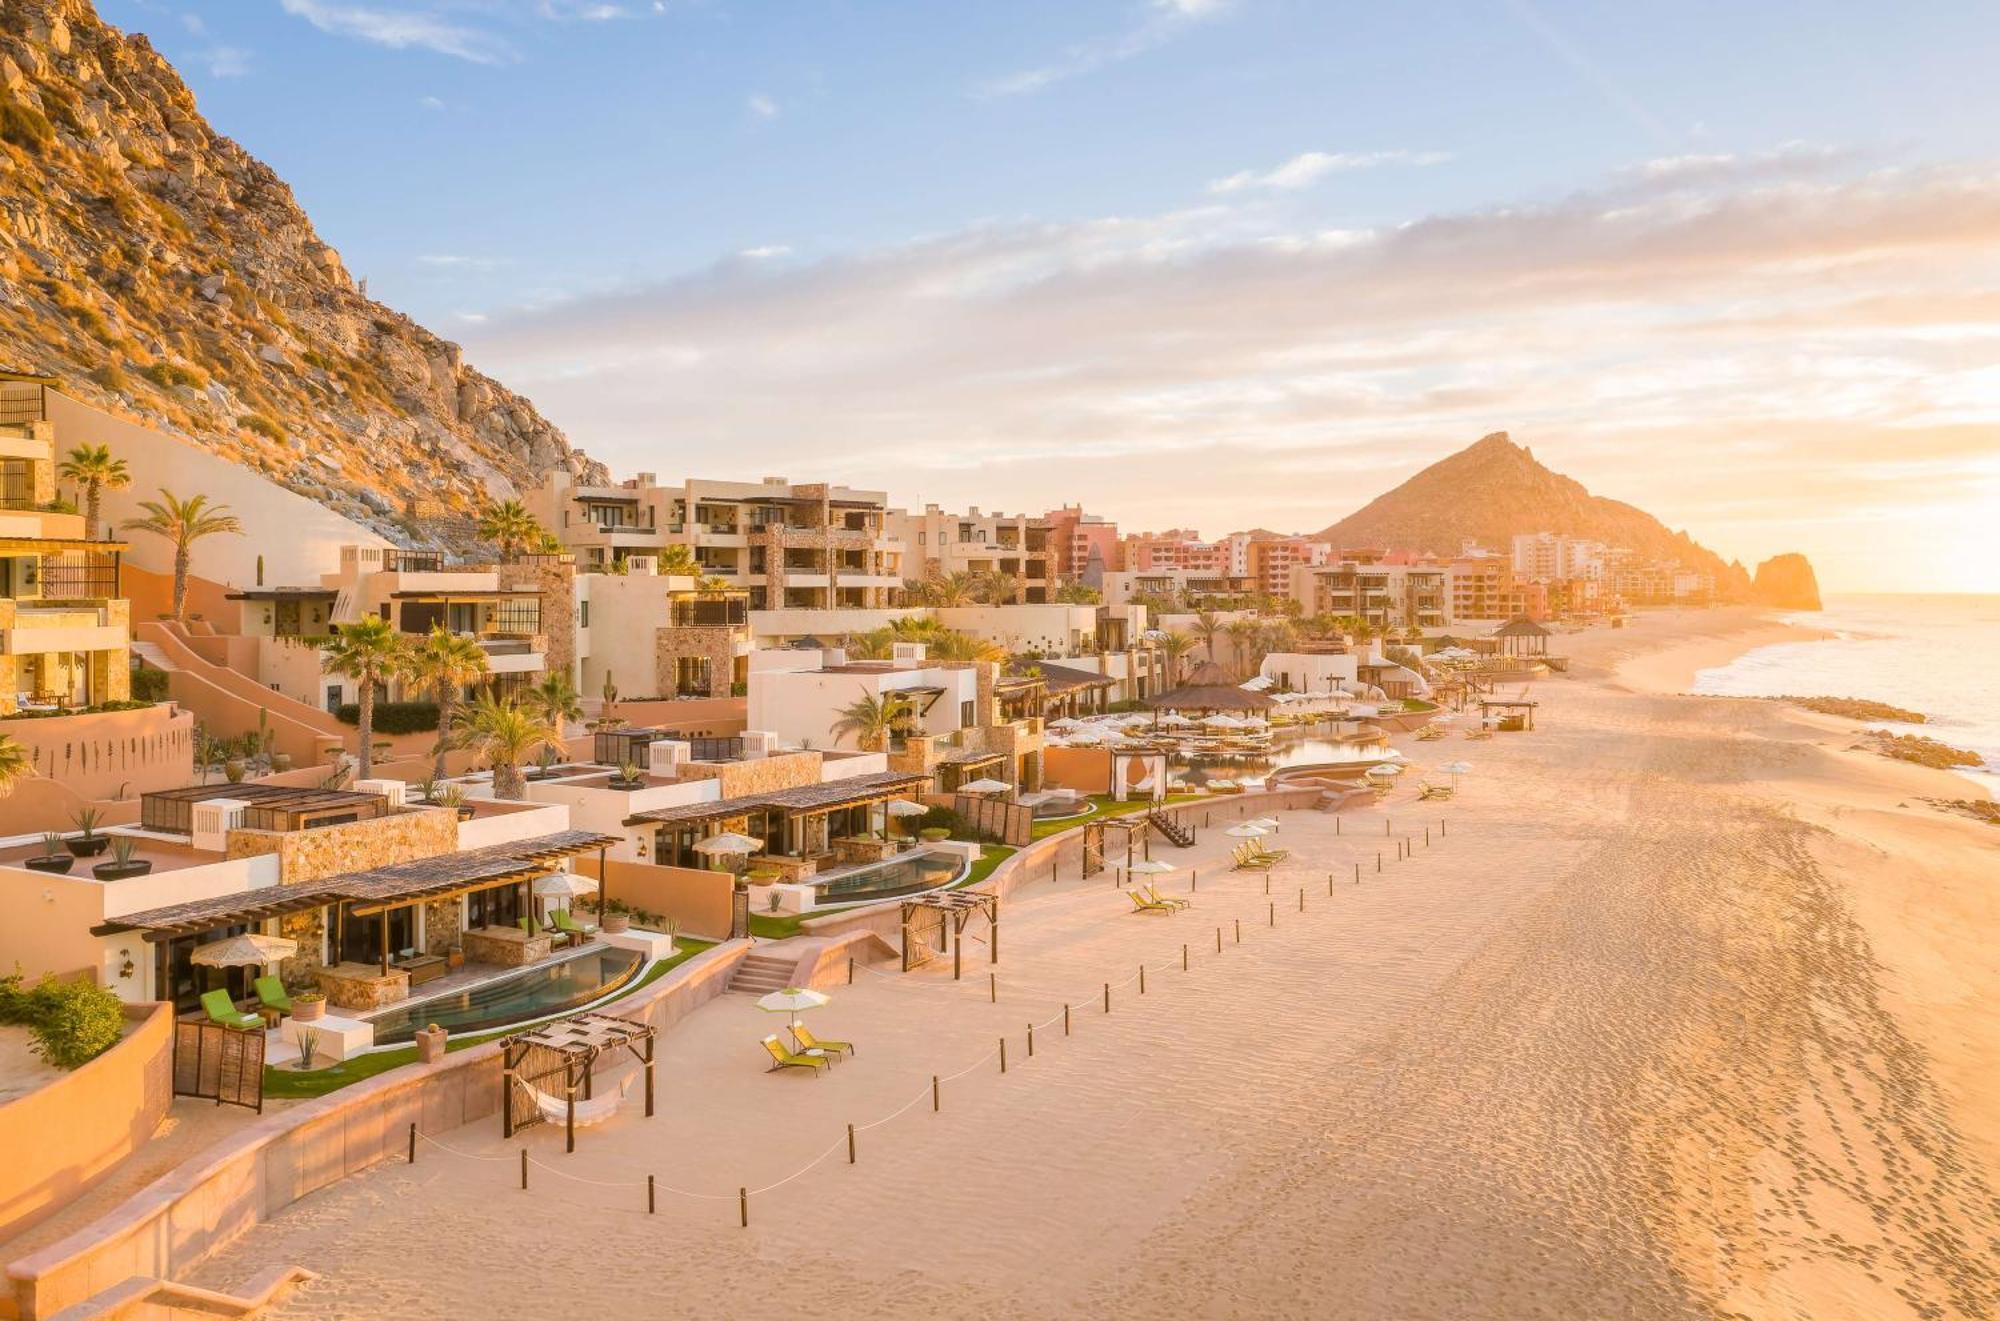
(1936, 654)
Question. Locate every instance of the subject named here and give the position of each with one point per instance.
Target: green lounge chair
(793, 1060)
(570, 926)
(271, 994)
(220, 1010)
(1152, 892)
(810, 1042)
(1141, 904)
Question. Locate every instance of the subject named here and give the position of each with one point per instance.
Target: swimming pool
(537, 992)
(907, 875)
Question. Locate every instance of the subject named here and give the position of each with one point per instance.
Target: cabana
(1208, 689)
(1521, 636)
(1515, 713)
(566, 1053)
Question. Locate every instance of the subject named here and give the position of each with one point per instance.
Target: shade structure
(1384, 772)
(1149, 867)
(791, 1000)
(984, 786)
(563, 885)
(1209, 688)
(247, 950)
(1265, 822)
(904, 807)
(1455, 769)
(1175, 720)
(727, 843)
(1246, 830)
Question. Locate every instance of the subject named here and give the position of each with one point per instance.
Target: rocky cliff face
(1786, 581)
(165, 274)
(1494, 489)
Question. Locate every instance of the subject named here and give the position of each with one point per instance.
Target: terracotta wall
(1086, 770)
(228, 703)
(60, 1137)
(110, 754)
(708, 717)
(152, 594)
(698, 900)
(168, 1228)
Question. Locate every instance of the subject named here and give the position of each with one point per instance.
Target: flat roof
(280, 593)
(805, 800)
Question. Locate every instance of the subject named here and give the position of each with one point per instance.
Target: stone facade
(555, 581)
(311, 855)
(675, 643)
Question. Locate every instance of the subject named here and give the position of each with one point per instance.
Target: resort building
(1081, 540)
(660, 635)
(987, 546)
(785, 545)
(63, 619)
(1549, 556)
(1382, 589)
(1269, 562)
(1182, 584)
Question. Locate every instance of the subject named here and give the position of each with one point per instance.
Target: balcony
(37, 631)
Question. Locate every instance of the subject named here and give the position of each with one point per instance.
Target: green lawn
(291, 1083)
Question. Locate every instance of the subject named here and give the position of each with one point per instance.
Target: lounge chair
(1152, 892)
(829, 1048)
(1246, 860)
(271, 994)
(221, 1010)
(1141, 904)
(1256, 846)
(1425, 789)
(527, 924)
(570, 926)
(787, 1059)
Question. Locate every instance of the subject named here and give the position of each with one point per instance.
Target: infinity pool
(909, 875)
(537, 992)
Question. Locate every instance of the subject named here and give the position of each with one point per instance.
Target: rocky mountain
(1786, 581)
(165, 274)
(1491, 490)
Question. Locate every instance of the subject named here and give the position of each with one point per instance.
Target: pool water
(537, 992)
(911, 875)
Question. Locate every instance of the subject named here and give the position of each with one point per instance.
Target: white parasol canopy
(244, 951)
(985, 786)
(904, 807)
(1384, 772)
(791, 1000)
(1149, 867)
(563, 885)
(1247, 830)
(728, 842)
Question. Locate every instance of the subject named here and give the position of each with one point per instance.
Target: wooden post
(937, 1099)
(993, 988)
(524, 1169)
(1274, 914)
(385, 942)
(1267, 882)
(1302, 898)
(1385, 828)
(652, 1202)
(1357, 873)
(1218, 940)
(1031, 1041)
(649, 1075)
(1378, 861)
(1336, 825)
(1239, 931)
(569, 1105)
(1003, 1054)
(850, 1144)
(1142, 979)
(1427, 836)
(1329, 885)
(1107, 997)
(1184, 957)
(413, 1143)
(1194, 880)
(1065, 1020)
(743, 1205)
(850, 970)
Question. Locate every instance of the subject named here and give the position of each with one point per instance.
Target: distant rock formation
(1494, 489)
(1786, 581)
(163, 273)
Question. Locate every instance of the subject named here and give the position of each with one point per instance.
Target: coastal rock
(133, 236)
(1786, 581)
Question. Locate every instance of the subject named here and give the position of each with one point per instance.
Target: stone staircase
(760, 974)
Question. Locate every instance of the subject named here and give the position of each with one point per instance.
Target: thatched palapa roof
(1209, 688)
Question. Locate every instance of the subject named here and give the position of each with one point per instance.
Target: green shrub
(263, 426)
(149, 685)
(394, 717)
(111, 377)
(171, 374)
(72, 1022)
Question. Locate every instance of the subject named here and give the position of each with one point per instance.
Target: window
(583, 614)
(965, 710)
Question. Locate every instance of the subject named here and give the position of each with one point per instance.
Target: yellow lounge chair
(1245, 860)
(787, 1059)
(808, 1041)
(1153, 893)
(1425, 789)
(1141, 904)
(1275, 855)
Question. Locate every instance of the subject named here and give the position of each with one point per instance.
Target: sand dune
(1650, 1033)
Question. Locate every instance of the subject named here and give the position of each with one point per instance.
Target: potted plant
(453, 796)
(122, 865)
(307, 1006)
(234, 770)
(430, 1043)
(53, 858)
(933, 834)
(761, 876)
(426, 788)
(613, 918)
(629, 776)
(89, 843)
(545, 764)
(308, 1039)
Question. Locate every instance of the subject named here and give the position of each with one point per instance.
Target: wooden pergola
(1509, 706)
(568, 1048)
(953, 909)
(1133, 835)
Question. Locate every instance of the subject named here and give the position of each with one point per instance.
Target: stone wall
(717, 644)
(310, 855)
(555, 580)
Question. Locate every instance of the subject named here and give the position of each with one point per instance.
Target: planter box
(307, 1011)
(58, 865)
(615, 923)
(81, 847)
(120, 871)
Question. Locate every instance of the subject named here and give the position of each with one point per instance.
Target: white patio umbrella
(1384, 772)
(727, 843)
(1247, 830)
(1265, 822)
(904, 807)
(244, 951)
(1064, 722)
(1175, 720)
(985, 786)
(1148, 867)
(563, 885)
(1455, 769)
(790, 1001)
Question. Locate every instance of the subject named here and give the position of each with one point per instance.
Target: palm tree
(678, 561)
(1242, 640)
(15, 763)
(953, 589)
(873, 721)
(443, 664)
(505, 734)
(511, 527)
(555, 699)
(1076, 593)
(94, 471)
(371, 653)
(183, 522)
(999, 588)
(951, 645)
(875, 644)
(1175, 646)
(712, 585)
(1207, 625)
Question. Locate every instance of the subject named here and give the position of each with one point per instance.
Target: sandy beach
(1686, 1008)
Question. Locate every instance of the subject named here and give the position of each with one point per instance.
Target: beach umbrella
(985, 786)
(1064, 722)
(1455, 769)
(790, 1001)
(904, 807)
(1175, 720)
(563, 885)
(727, 843)
(244, 951)
(1148, 867)
(1247, 830)
(1384, 772)
(1266, 822)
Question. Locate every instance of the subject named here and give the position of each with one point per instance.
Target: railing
(711, 614)
(715, 749)
(412, 561)
(22, 401)
(64, 578)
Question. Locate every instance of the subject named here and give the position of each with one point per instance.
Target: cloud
(404, 31)
(586, 11)
(766, 251)
(1160, 22)
(226, 61)
(458, 261)
(431, 102)
(1677, 347)
(762, 106)
(1312, 166)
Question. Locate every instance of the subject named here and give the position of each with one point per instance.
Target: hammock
(593, 1111)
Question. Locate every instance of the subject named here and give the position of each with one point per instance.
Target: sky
(1203, 263)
